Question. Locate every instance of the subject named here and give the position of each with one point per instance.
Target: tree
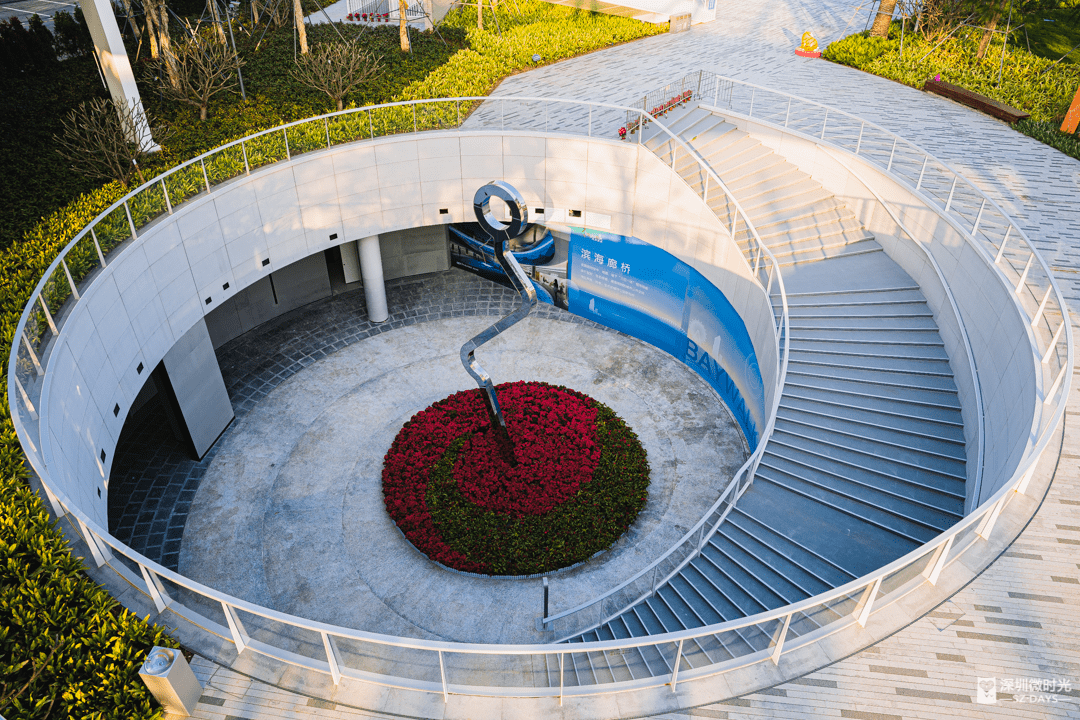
(103, 141)
(298, 18)
(403, 26)
(337, 69)
(883, 18)
(204, 69)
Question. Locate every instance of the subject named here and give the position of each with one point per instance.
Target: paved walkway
(295, 490)
(1016, 622)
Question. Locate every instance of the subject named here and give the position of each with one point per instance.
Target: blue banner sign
(637, 288)
(641, 290)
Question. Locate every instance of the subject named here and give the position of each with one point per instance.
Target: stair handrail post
(675, 669)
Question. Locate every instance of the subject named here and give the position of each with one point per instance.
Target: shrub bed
(568, 484)
(1028, 82)
(45, 599)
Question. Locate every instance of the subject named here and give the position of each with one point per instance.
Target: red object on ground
(803, 53)
(1072, 118)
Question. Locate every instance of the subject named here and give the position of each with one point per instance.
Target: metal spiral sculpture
(501, 234)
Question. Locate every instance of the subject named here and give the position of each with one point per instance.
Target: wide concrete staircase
(867, 461)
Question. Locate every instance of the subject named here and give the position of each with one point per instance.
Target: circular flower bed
(564, 485)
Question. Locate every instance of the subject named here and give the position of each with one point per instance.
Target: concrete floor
(290, 512)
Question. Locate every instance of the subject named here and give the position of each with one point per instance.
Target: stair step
(869, 311)
(832, 343)
(860, 513)
(842, 407)
(832, 535)
(899, 360)
(876, 442)
(941, 381)
(763, 172)
(910, 437)
(797, 560)
(931, 485)
(883, 322)
(806, 194)
(934, 397)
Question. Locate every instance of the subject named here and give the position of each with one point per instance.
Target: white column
(112, 56)
(371, 271)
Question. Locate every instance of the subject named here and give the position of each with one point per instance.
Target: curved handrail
(96, 539)
(894, 147)
(775, 625)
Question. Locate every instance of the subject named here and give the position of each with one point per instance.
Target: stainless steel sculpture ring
(501, 234)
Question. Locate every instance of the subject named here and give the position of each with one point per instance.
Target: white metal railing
(340, 652)
(551, 670)
(1001, 243)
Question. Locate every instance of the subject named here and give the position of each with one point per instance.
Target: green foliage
(58, 629)
(1051, 33)
(1028, 82)
(1050, 133)
(574, 531)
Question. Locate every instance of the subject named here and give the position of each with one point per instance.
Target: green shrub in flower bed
(565, 484)
(1030, 83)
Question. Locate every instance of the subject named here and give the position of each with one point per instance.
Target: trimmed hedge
(1028, 82)
(46, 601)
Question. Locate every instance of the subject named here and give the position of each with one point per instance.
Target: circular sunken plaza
(863, 495)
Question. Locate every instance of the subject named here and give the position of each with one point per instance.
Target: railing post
(247, 166)
(1024, 481)
(990, 519)
(97, 246)
(675, 671)
(937, 561)
(92, 543)
(157, 590)
(326, 123)
(561, 659)
(442, 674)
(48, 315)
(705, 189)
(925, 160)
(590, 121)
(1042, 307)
(751, 113)
(371, 124)
(978, 218)
(866, 603)
(75, 290)
(288, 153)
(502, 121)
(1001, 248)
(236, 628)
(859, 143)
(787, 116)
(205, 177)
(165, 191)
(948, 203)
(414, 117)
(824, 123)
(457, 111)
(332, 657)
(1023, 275)
(778, 640)
(1054, 342)
(131, 223)
(1053, 388)
(892, 154)
(34, 416)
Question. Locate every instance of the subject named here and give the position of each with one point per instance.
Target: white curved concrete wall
(184, 265)
(999, 335)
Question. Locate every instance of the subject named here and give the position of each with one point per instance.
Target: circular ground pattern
(565, 482)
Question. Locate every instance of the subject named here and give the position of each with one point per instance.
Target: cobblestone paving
(1016, 621)
(154, 480)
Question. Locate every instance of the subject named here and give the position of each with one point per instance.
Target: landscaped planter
(568, 482)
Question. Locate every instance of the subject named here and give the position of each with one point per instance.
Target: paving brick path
(1017, 621)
